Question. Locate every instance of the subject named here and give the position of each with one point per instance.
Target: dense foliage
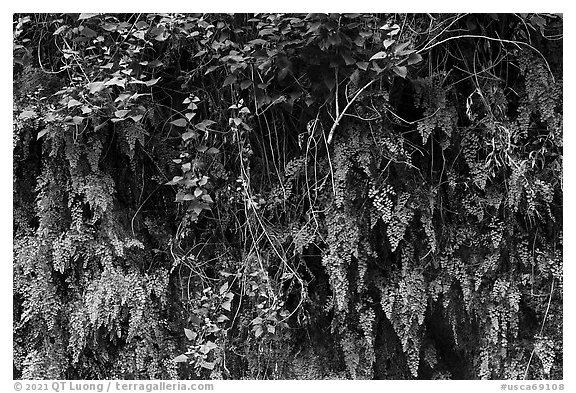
(287, 196)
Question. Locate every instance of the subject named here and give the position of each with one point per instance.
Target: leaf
(174, 181)
(41, 133)
(212, 151)
(203, 181)
(208, 365)
(190, 334)
(86, 16)
(88, 32)
(27, 115)
(207, 198)
(227, 305)
(400, 71)
(121, 113)
(198, 206)
(414, 58)
(189, 134)
(116, 82)
(222, 318)
(223, 288)
(210, 69)
(72, 103)
(388, 42)
(197, 192)
(78, 120)
(179, 122)
(155, 63)
(202, 126)
(245, 84)
(379, 55)
(208, 347)
(95, 87)
(151, 82)
(195, 320)
(188, 197)
(401, 46)
(229, 80)
(181, 358)
(186, 167)
(271, 329)
(258, 331)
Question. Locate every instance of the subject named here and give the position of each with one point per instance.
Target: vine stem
(501, 40)
(341, 115)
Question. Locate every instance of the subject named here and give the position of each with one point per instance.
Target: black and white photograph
(287, 196)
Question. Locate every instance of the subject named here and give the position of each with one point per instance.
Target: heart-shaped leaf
(179, 122)
(379, 55)
(414, 58)
(181, 358)
(400, 71)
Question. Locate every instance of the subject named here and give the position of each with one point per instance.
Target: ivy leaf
(400, 71)
(189, 134)
(195, 320)
(210, 69)
(223, 288)
(198, 206)
(151, 82)
(388, 42)
(181, 358)
(179, 122)
(190, 334)
(208, 365)
(379, 55)
(414, 58)
(174, 181)
(95, 87)
(245, 84)
(27, 115)
(121, 113)
(197, 192)
(222, 318)
(202, 126)
(401, 47)
(41, 133)
(227, 305)
(72, 103)
(208, 347)
(116, 82)
(203, 181)
(229, 80)
(86, 16)
(349, 60)
(212, 151)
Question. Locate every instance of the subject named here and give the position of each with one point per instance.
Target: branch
(331, 133)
